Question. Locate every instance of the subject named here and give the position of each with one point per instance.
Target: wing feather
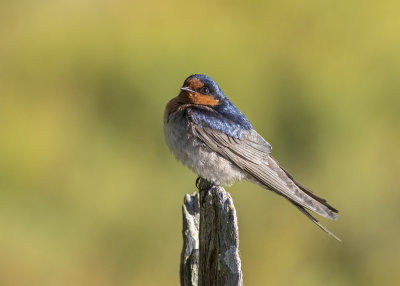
(251, 153)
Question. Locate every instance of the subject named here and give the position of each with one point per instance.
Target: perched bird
(209, 135)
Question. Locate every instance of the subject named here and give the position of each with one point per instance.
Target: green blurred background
(89, 192)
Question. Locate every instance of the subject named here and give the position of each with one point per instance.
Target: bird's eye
(205, 90)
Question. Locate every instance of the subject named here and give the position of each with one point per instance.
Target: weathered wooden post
(210, 254)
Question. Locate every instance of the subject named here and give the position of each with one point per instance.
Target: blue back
(224, 117)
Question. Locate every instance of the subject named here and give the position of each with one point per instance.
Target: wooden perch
(210, 254)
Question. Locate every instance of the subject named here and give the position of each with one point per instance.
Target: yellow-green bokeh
(90, 194)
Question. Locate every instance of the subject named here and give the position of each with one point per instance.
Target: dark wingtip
(309, 192)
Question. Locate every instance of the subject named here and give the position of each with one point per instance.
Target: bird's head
(201, 90)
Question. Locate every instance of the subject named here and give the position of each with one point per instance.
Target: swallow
(209, 135)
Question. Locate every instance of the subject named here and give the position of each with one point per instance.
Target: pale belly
(196, 155)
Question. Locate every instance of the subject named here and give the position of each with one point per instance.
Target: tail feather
(273, 177)
(311, 194)
(307, 191)
(314, 220)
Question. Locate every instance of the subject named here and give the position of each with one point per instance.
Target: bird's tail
(298, 194)
(314, 220)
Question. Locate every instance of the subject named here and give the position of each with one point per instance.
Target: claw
(198, 183)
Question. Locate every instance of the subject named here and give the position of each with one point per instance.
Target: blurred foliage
(90, 194)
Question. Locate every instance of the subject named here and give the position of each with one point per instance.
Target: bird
(208, 134)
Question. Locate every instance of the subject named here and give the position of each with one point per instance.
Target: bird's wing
(251, 153)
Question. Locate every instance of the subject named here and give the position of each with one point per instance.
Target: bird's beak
(187, 89)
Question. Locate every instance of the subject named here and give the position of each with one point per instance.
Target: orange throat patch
(185, 99)
(195, 97)
(202, 99)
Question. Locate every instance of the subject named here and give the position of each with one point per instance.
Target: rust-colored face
(193, 83)
(193, 94)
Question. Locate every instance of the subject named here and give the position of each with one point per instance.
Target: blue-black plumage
(208, 134)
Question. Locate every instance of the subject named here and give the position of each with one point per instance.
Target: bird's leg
(203, 185)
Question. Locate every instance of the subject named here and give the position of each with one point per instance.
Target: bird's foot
(198, 183)
(203, 185)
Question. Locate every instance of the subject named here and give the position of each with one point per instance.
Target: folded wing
(251, 153)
